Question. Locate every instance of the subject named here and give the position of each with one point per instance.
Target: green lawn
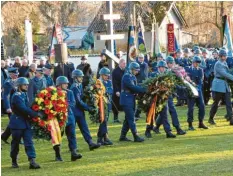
(201, 152)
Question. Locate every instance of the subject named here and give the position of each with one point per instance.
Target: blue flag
(227, 41)
(176, 46)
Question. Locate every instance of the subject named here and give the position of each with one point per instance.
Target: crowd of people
(20, 83)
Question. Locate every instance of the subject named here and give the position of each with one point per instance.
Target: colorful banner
(170, 38)
(227, 41)
(28, 48)
(56, 39)
(131, 49)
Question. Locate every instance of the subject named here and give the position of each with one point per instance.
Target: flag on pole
(176, 46)
(115, 48)
(141, 40)
(227, 41)
(56, 39)
(156, 46)
(28, 47)
(131, 49)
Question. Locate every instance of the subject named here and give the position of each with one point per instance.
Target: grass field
(200, 152)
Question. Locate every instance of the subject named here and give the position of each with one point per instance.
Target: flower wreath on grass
(95, 97)
(160, 88)
(52, 103)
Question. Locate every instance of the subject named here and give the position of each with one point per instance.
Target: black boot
(124, 138)
(116, 120)
(137, 138)
(191, 128)
(156, 130)
(93, 146)
(148, 134)
(170, 135)
(33, 164)
(107, 140)
(100, 141)
(75, 155)
(211, 121)
(57, 153)
(14, 163)
(231, 121)
(180, 131)
(201, 125)
(227, 117)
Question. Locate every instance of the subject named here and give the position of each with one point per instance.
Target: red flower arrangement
(52, 103)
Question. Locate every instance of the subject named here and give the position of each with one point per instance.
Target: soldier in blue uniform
(117, 75)
(196, 75)
(178, 56)
(20, 125)
(208, 76)
(36, 84)
(62, 83)
(162, 116)
(80, 107)
(172, 110)
(141, 76)
(103, 130)
(129, 89)
(220, 88)
(47, 74)
(9, 88)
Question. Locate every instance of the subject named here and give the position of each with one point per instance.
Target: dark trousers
(217, 97)
(129, 122)
(82, 124)
(162, 119)
(116, 105)
(103, 130)
(7, 133)
(201, 107)
(71, 136)
(26, 134)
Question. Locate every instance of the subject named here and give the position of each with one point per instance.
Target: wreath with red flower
(52, 103)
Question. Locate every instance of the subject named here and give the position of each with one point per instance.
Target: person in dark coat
(117, 75)
(24, 69)
(86, 69)
(42, 62)
(17, 62)
(103, 63)
(64, 69)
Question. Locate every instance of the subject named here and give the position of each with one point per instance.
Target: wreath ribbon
(55, 132)
(151, 114)
(101, 108)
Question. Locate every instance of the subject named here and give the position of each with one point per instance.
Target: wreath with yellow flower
(95, 97)
(52, 103)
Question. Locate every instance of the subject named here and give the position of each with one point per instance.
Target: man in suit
(117, 75)
(220, 87)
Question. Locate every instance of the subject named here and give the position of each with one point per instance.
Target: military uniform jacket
(80, 106)
(196, 75)
(35, 86)
(109, 90)
(9, 89)
(143, 73)
(21, 111)
(129, 89)
(71, 104)
(49, 80)
(221, 76)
